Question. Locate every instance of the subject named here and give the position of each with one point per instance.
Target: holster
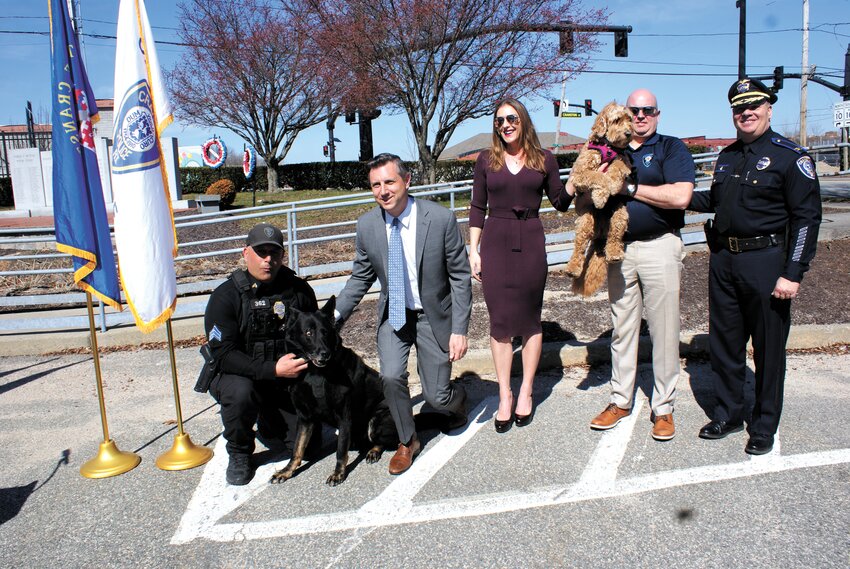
(208, 372)
(711, 236)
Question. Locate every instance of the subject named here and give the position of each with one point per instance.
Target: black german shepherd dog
(338, 388)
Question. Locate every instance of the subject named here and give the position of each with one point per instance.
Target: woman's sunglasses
(513, 120)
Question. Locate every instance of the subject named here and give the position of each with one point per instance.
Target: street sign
(841, 113)
(571, 115)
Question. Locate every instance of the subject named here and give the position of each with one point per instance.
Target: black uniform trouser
(741, 307)
(245, 402)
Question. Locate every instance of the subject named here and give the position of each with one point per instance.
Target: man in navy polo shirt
(648, 276)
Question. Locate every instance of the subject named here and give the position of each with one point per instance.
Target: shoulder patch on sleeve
(807, 167)
(789, 144)
(215, 333)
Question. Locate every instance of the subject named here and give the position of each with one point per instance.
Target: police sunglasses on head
(513, 120)
(738, 109)
(647, 111)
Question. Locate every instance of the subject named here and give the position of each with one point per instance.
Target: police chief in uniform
(766, 199)
(244, 326)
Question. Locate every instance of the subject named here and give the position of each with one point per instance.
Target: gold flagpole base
(183, 455)
(110, 462)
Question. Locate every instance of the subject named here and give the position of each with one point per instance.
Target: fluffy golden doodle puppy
(601, 221)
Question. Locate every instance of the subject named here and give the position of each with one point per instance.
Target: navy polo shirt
(659, 160)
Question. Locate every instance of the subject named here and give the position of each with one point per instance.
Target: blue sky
(698, 41)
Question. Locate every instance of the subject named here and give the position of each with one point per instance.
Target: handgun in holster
(208, 372)
(711, 236)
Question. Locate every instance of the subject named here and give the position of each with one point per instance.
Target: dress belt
(652, 236)
(521, 213)
(741, 244)
(517, 214)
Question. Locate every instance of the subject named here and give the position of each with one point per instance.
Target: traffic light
(350, 117)
(588, 108)
(566, 42)
(557, 105)
(325, 150)
(621, 44)
(778, 78)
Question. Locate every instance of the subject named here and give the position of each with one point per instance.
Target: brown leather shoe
(403, 457)
(609, 418)
(663, 430)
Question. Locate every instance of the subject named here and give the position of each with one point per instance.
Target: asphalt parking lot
(553, 494)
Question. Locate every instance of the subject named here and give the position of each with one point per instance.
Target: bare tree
(439, 62)
(250, 71)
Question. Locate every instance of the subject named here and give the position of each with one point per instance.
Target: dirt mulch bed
(824, 299)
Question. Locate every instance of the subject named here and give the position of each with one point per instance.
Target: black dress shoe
(524, 420)
(719, 429)
(503, 426)
(759, 444)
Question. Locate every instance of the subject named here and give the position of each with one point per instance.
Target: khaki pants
(647, 278)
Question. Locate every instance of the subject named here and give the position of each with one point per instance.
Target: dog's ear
(329, 307)
(291, 314)
(600, 126)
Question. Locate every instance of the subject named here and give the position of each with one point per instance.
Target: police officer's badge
(647, 160)
(763, 163)
(279, 309)
(806, 166)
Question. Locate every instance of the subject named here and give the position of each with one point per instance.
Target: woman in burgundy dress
(509, 182)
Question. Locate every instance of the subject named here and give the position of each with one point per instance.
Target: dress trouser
(433, 366)
(740, 308)
(245, 402)
(648, 277)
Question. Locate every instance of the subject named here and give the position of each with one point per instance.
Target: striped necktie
(395, 278)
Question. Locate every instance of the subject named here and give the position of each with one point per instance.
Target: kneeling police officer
(246, 354)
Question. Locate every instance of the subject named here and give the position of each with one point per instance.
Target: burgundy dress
(513, 252)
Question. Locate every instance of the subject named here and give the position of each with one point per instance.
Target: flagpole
(184, 454)
(109, 460)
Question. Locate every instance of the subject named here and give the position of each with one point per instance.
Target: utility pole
(742, 39)
(804, 74)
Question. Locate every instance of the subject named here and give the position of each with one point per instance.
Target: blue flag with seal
(82, 227)
(144, 223)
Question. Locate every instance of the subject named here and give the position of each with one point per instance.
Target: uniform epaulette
(789, 144)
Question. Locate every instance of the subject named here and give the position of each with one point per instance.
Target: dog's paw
(374, 455)
(336, 478)
(280, 476)
(614, 254)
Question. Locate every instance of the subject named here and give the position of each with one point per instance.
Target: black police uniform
(766, 200)
(244, 325)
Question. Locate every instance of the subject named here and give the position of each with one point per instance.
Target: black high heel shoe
(524, 420)
(503, 426)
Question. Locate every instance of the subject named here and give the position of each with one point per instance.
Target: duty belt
(741, 244)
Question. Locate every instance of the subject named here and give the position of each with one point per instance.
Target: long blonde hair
(528, 141)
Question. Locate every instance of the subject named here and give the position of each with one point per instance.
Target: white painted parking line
(213, 499)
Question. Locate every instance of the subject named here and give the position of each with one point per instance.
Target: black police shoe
(239, 471)
(719, 429)
(759, 444)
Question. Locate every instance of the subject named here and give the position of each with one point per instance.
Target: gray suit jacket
(442, 263)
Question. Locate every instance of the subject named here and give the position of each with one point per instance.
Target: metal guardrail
(293, 240)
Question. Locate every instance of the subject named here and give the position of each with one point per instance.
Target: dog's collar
(608, 152)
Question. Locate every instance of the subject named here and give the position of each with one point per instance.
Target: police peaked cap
(746, 90)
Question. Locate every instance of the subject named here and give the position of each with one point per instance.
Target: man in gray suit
(431, 272)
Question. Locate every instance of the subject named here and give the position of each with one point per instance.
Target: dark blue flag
(82, 228)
